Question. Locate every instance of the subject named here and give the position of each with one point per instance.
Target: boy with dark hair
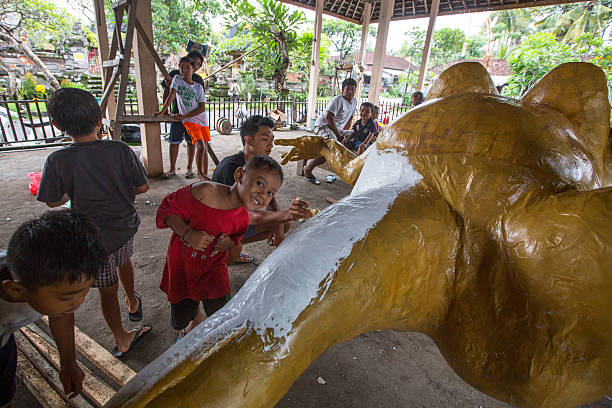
(334, 122)
(101, 178)
(208, 220)
(273, 224)
(416, 98)
(191, 103)
(178, 133)
(48, 270)
(364, 130)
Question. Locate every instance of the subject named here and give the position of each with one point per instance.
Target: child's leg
(199, 317)
(212, 305)
(173, 152)
(190, 154)
(199, 152)
(8, 368)
(205, 159)
(183, 313)
(126, 276)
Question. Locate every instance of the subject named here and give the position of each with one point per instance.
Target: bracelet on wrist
(184, 236)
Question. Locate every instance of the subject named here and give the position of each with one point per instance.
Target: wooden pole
(386, 12)
(433, 13)
(146, 89)
(103, 53)
(360, 60)
(314, 63)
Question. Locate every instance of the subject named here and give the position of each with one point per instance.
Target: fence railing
(25, 123)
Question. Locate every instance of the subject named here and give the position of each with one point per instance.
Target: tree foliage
(344, 37)
(569, 21)
(542, 52)
(272, 26)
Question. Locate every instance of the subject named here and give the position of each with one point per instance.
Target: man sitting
(273, 224)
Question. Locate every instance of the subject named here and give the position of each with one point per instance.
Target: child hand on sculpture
(208, 221)
(191, 103)
(48, 269)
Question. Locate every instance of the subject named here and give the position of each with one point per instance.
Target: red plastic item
(34, 183)
(386, 118)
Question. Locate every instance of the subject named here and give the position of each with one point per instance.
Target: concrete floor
(379, 369)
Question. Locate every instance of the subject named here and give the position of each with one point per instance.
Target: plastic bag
(34, 182)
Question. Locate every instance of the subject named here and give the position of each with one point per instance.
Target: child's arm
(142, 189)
(223, 242)
(198, 240)
(63, 201)
(201, 108)
(71, 375)
(167, 103)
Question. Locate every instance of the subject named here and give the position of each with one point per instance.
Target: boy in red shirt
(208, 220)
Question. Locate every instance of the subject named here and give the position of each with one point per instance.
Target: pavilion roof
(352, 10)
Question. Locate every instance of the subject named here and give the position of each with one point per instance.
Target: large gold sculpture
(479, 220)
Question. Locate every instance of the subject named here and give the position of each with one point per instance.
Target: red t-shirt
(191, 274)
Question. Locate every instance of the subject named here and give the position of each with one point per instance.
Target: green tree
(507, 29)
(20, 19)
(272, 25)
(447, 46)
(542, 52)
(570, 21)
(344, 37)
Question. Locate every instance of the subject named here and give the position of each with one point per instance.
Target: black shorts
(183, 312)
(178, 133)
(8, 368)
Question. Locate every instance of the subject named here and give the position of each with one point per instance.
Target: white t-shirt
(342, 109)
(188, 98)
(13, 315)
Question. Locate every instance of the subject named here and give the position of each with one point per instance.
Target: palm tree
(568, 22)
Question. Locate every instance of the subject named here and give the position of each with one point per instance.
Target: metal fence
(25, 123)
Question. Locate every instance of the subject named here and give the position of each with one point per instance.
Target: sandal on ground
(182, 333)
(137, 315)
(168, 175)
(139, 334)
(189, 175)
(313, 180)
(245, 258)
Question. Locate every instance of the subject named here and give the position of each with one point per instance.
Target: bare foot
(203, 177)
(199, 318)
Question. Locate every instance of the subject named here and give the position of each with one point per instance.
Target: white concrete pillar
(386, 12)
(314, 63)
(360, 58)
(433, 13)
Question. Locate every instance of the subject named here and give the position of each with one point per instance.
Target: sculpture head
(485, 221)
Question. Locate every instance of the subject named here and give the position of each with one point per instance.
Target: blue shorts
(178, 133)
(250, 232)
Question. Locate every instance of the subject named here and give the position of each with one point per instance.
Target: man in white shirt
(334, 122)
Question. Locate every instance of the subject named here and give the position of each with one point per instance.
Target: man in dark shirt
(177, 129)
(273, 224)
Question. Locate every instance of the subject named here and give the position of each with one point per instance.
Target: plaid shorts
(108, 276)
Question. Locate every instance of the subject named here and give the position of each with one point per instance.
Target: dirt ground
(379, 369)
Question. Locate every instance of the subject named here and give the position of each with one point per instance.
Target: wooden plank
(147, 42)
(105, 361)
(40, 389)
(212, 154)
(125, 67)
(48, 372)
(145, 119)
(96, 390)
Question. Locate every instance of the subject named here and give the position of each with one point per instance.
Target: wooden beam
(149, 45)
(103, 52)
(309, 7)
(360, 58)
(435, 6)
(94, 389)
(40, 389)
(48, 372)
(314, 64)
(386, 11)
(115, 369)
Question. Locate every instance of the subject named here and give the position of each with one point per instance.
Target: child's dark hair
(369, 105)
(252, 124)
(186, 59)
(75, 111)
(261, 162)
(58, 246)
(193, 54)
(349, 82)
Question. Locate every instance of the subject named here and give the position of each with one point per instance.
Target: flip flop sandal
(189, 175)
(168, 175)
(138, 336)
(182, 333)
(137, 315)
(313, 181)
(245, 258)
(330, 178)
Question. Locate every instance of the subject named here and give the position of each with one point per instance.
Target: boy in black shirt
(101, 179)
(364, 130)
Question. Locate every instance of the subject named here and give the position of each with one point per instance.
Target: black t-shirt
(195, 78)
(99, 177)
(224, 172)
(362, 131)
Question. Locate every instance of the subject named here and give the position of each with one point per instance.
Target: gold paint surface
(500, 252)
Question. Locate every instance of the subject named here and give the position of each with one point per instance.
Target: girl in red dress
(208, 220)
